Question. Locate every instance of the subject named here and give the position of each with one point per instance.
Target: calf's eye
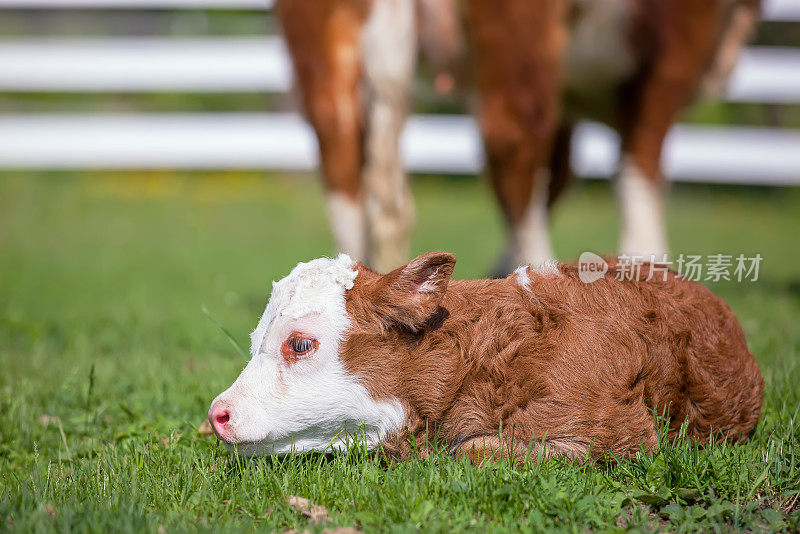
(301, 345)
(298, 345)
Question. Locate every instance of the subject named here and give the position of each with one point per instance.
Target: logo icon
(591, 267)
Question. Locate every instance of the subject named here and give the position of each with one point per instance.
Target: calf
(537, 362)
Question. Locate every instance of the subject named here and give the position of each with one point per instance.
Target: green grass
(108, 363)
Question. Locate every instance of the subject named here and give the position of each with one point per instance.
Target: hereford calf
(538, 361)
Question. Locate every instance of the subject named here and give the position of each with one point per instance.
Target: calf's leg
(494, 448)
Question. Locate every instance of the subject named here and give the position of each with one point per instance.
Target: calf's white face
(295, 393)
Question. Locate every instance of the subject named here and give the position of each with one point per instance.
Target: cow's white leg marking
(642, 204)
(347, 221)
(532, 234)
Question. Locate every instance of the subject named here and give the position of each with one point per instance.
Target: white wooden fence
(283, 141)
(245, 64)
(773, 9)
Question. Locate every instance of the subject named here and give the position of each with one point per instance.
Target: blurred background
(206, 84)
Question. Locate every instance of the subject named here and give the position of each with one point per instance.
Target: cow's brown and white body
(538, 361)
(632, 64)
(540, 65)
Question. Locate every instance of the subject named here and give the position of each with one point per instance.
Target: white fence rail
(146, 64)
(254, 5)
(780, 10)
(284, 141)
(430, 143)
(241, 64)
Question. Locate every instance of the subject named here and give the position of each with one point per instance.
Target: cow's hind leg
(324, 41)
(518, 52)
(388, 49)
(649, 107)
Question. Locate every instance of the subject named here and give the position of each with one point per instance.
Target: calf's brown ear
(410, 294)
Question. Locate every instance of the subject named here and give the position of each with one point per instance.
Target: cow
(535, 365)
(539, 66)
(632, 64)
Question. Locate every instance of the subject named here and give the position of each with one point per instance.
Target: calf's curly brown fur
(541, 362)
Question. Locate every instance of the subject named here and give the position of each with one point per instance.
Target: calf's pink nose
(219, 417)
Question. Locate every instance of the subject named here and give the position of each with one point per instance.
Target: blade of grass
(225, 331)
(64, 439)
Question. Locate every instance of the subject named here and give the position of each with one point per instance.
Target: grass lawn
(108, 364)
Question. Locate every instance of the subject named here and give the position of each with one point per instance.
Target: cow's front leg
(388, 50)
(324, 41)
